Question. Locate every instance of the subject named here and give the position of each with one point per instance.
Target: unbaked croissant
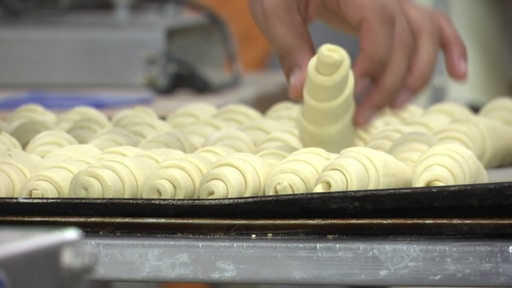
(66, 119)
(499, 109)
(232, 138)
(84, 129)
(24, 131)
(112, 137)
(298, 172)
(189, 114)
(236, 175)
(15, 168)
(278, 139)
(53, 181)
(176, 178)
(115, 177)
(361, 168)
(198, 131)
(384, 138)
(409, 147)
(448, 164)
(174, 139)
(237, 114)
(214, 153)
(488, 139)
(287, 111)
(277, 153)
(32, 112)
(8, 142)
(71, 152)
(47, 141)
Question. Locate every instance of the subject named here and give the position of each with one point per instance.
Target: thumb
(285, 25)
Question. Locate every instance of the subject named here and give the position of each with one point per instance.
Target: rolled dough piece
(214, 153)
(297, 173)
(409, 147)
(488, 139)
(66, 119)
(190, 113)
(47, 141)
(326, 119)
(499, 109)
(173, 139)
(236, 175)
(237, 114)
(362, 168)
(8, 142)
(53, 181)
(448, 164)
(232, 138)
(176, 178)
(115, 177)
(16, 166)
(112, 137)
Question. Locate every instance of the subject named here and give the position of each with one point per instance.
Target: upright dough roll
(361, 168)
(176, 178)
(297, 173)
(47, 141)
(448, 164)
(236, 175)
(326, 120)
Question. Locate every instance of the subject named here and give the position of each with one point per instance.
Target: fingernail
(462, 65)
(295, 85)
(402, 98)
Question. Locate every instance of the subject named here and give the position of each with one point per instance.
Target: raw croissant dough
(360, 168)
(236, 175)
(50, 140)
(298, 172)
(448, 164)
(176, 178)
(16, 166)
(114, 177)
(488, 139)
(326, 120)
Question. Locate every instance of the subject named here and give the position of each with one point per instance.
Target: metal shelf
(368, 261)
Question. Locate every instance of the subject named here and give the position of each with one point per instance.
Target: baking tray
(477, 209)
(462, 201)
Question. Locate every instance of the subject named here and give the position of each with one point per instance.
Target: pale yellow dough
(176, 178)
(297, 172)
(326, 119)
(236, 175)
(448, 164)
(361, 168)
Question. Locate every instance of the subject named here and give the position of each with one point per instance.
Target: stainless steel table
(263, 259)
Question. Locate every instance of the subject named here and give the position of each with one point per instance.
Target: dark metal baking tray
(474, 210)
(488, 200)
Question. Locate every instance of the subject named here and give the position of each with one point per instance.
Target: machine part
(160, 45)
(43, 257)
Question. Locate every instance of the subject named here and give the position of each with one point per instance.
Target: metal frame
(263, 259)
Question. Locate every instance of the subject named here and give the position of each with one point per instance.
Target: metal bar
(416, 261)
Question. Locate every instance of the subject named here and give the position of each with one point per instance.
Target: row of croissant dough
(203, 151)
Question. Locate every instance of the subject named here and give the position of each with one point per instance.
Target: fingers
(385, 60)
(411, 58)
(453, 47)
(285, 25)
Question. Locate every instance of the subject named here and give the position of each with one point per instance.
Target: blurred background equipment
(163, 45)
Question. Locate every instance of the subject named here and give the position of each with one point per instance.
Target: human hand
(399, 42)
